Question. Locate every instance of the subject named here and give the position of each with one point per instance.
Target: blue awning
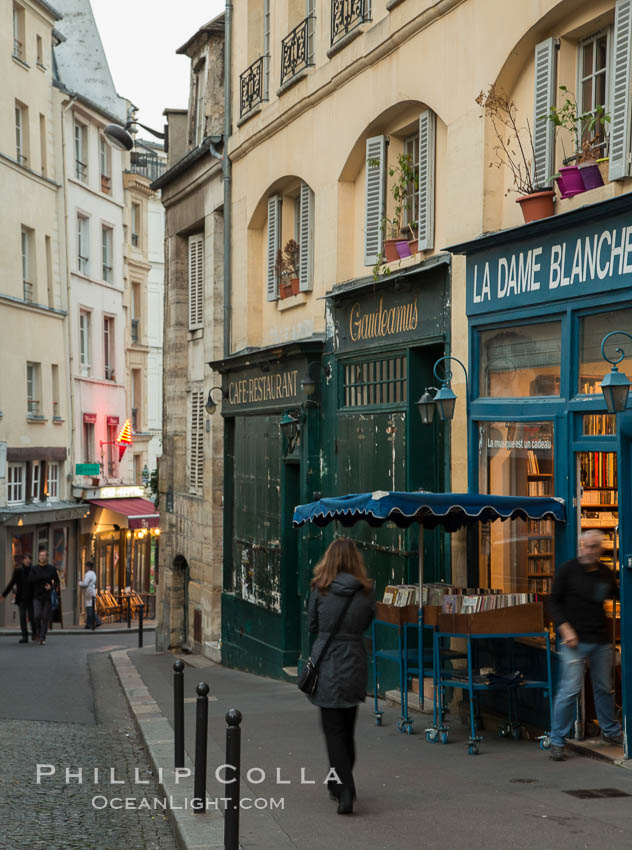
(449, 510)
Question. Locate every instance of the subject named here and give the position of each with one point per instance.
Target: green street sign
(92, 469)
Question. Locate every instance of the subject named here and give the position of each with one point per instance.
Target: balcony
(251, 86)
(346, 16)
(297, 50)
(135, 331)
(27, 289)
(147, 164)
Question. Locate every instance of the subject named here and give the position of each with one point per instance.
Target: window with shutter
(374, 205)
(306, 239)
(196, 444)
(620, 92)
(196, 281)
(274, 243)
(425, 222)
(544, 99)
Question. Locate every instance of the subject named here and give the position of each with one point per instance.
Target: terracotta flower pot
(390, 250)
(413, 244)
(536, 206)
(294, 285)
(403, 249)
(285, 289)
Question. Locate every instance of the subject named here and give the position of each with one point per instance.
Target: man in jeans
(579, 590)
(23, 595)
(43, 578)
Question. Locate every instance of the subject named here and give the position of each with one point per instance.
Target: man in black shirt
(23, 595)
(43, 578)
(579, 590)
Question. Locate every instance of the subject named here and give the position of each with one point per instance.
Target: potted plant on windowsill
(593, 171)
(514, 150)
(287, 269)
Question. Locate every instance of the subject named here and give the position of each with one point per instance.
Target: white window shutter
(620, 91)
(425, 222)
(544, 99)
(196, 281)
(306, 239)
(375, 188)
(196, 444)
(274, 243)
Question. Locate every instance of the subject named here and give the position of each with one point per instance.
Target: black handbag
(308, 680)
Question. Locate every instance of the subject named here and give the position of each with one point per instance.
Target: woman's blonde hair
(342, 556)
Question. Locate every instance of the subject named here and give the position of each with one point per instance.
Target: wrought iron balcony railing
(147, 164)
(297, 50)
(252, 89)
(346, 15)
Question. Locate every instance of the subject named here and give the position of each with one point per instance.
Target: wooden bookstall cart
(516, 622)
(450, 511)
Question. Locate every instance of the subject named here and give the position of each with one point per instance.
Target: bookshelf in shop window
(540, 560)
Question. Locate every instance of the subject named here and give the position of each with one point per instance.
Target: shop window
(516, 459)
(52, 483)
(599, 425)
(58, 556)
(592, 330)
(375, 382)
(521, 361)
(16, 473)
(598, 498)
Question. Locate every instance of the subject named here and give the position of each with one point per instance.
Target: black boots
(345, 802)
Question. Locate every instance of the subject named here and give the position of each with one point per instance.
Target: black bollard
(140, 626)
(201, 738)
(233, 758)
(129, 613)
(178, 713)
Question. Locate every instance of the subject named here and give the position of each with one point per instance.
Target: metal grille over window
(196, 281)
(196, 445)
(375, 382)
(295, 51)
(251, 87)
(346, 15)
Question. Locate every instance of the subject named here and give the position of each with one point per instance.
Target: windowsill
(403, 263)
(345, 40)
(251, 114)
(293, 301)
(58, 420)
(198, 333)
(392, 4)
(20, 62)
(40, 66)
(36, 420)
(87, 277)
(592, 196)
(300, 75)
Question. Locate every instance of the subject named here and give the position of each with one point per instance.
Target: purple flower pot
(591, 176)
(570, 181)
(403, 249)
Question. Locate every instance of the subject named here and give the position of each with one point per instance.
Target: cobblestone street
(60, 815)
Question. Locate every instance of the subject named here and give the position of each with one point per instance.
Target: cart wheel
(473, 749)
(378, 718)
(545, 742)
(432, 736)
(516, 732)
(444, 736)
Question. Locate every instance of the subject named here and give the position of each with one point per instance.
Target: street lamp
(444, 399)
(615, 385)
(210, 405)
(120, 139)
(290, 426)
(308, 385)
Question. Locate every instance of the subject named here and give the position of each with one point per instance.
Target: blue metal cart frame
(474, 688)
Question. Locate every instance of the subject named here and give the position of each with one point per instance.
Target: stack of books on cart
(490, 612)
(400, 603)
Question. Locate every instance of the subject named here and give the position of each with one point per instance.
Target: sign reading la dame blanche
(585, 260)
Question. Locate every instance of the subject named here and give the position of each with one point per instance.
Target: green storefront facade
(353, 393)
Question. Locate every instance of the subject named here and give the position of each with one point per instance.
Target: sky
(140, 38)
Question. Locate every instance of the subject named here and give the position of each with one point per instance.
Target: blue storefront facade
(540, 299)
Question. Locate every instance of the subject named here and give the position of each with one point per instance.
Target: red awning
(140, 513)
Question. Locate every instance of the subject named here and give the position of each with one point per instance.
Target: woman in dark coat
(343, 672)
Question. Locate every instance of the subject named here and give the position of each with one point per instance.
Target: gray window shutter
(544, 99)
(375, 187)
(306, 239)
(425, 222)
(196, 281)
(274, 243)
(620, 92)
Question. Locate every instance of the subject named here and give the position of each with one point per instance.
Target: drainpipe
(226, 166)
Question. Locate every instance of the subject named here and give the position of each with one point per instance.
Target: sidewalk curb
(82, 631)
(192, 831)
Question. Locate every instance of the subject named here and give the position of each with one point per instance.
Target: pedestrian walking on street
(339, 577)
(579, 590)
(43, 578)
(23, 595)
(89, 585)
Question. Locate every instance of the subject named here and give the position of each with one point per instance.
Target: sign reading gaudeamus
(87, 469)
(585, 260)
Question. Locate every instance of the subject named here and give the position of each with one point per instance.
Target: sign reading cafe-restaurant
(576, 261)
